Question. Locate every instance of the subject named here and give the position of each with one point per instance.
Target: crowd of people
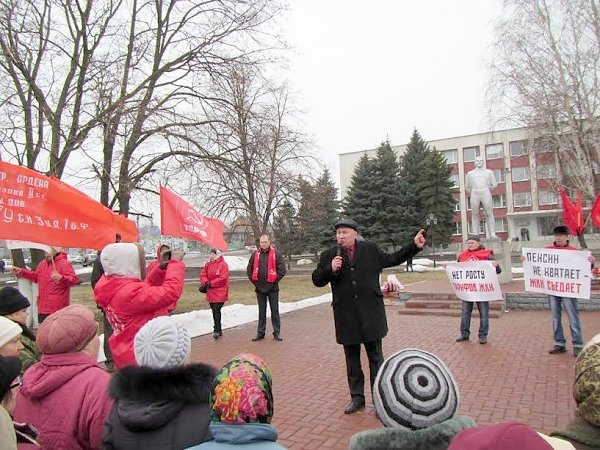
(54, 394)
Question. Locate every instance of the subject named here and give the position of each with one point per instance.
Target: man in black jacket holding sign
(353, 268)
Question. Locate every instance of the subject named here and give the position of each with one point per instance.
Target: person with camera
(129, 299)
(156, 270)
(214, 282)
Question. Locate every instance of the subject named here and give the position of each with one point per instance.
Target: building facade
(526, 202)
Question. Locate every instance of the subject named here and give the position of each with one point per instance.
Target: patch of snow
(236, 262)
(303, 262)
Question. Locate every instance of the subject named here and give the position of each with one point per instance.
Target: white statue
(479, 183)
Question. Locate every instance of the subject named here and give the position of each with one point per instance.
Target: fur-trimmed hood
(147, 399)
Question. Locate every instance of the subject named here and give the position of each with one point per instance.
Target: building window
(451, 156)
(520, 173)
(457, 229)
(501, 225)
(522, 199)
(499, 201)
(457, 205)
(499, 174)
(544, 145)
(546, 171)
(482, 225)
(470, 153)
(548, 198)
(517, 148)
(494, 151)
(453, 179)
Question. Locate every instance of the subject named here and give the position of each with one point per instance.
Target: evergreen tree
(412, 164)
(384, 196)
(435, 191)
(284, 230)
(358, 203)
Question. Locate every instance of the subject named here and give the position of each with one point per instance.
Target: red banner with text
(38, 208)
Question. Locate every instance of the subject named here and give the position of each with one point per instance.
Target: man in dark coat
(266, 267)
(353, 268)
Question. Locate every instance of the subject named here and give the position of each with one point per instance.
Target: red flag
(34, 207)
(179, 218)
(573, 213)
(126, 228)
(595, 212)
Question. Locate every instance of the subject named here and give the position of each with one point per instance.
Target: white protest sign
(474, 281)
(564, 273)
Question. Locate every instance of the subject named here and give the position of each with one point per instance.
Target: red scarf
(271, 266)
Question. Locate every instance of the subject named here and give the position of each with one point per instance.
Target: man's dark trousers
(273, 298)
(356, 378)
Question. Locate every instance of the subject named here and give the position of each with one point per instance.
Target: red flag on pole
(573, 213)
(42, 209)
(179, 218)
(595, 213)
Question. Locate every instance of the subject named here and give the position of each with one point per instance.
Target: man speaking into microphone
(353, 269)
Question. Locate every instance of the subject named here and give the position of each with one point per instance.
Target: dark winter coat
(262, 285)
(159, 408)
(358, 309)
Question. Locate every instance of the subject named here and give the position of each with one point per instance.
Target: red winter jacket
(52, 295)
(129, 303)
(217, 274)
(65, 396)
(155, 276)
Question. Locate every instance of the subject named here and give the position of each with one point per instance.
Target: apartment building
(526, 202)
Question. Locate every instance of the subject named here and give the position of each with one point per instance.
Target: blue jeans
(570, 306)
(484, 318)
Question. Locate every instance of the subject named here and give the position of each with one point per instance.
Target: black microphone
(339, 250)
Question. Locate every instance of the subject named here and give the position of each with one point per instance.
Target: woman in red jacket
(54, 280)
(214, 280)
(476, 252)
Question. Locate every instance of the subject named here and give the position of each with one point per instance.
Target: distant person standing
(561, 242)
(214, 281)
(353, 269)
(476, 251)
(2, 266)
(54, 276)
(266, 267)
(409, 265)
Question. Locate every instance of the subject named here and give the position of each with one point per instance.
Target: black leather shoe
(483, 340)
(216, 335)
(258, 337)
(557, 349)
(354, 405)
(462, 338)
(277, 337)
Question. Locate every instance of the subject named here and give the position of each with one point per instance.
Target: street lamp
(432, 220)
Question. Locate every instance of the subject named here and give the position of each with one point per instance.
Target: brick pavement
(511, 378)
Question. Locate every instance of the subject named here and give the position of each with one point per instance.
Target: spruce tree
(358, 204)
(435, 190)
(284, 230)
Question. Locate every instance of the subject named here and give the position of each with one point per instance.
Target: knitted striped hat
(414, 389)
(162, 342)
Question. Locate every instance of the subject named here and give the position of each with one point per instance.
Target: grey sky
(370, 70)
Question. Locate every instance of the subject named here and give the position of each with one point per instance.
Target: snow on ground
(200, 322)
(236, 262)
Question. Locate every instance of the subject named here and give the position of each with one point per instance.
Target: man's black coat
(358, 309)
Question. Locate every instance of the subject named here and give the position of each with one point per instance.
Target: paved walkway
(511, 378)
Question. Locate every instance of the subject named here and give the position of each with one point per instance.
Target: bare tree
(129, 77)
(545, 75)
(258, 151)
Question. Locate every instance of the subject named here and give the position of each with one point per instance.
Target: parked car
(89, 259)
(74, 258)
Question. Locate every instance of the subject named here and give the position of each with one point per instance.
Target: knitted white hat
(414, 389)
(8, 330)
(162, 342)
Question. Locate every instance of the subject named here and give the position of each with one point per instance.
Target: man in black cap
(353, 269)
(561, 241)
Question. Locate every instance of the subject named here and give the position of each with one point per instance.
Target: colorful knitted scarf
(586, 389)
(242, 392)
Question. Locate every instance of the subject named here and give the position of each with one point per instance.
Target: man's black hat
(561, 229)
(11, 300)
(346, 223)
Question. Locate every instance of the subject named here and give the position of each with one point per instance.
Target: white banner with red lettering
(564, 273)
(474, 281)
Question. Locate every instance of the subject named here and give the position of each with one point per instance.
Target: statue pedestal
(502, 255)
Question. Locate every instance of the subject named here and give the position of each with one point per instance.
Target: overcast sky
(365, 71)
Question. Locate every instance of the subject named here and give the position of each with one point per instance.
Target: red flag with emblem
(573, 213)
(179, 218)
